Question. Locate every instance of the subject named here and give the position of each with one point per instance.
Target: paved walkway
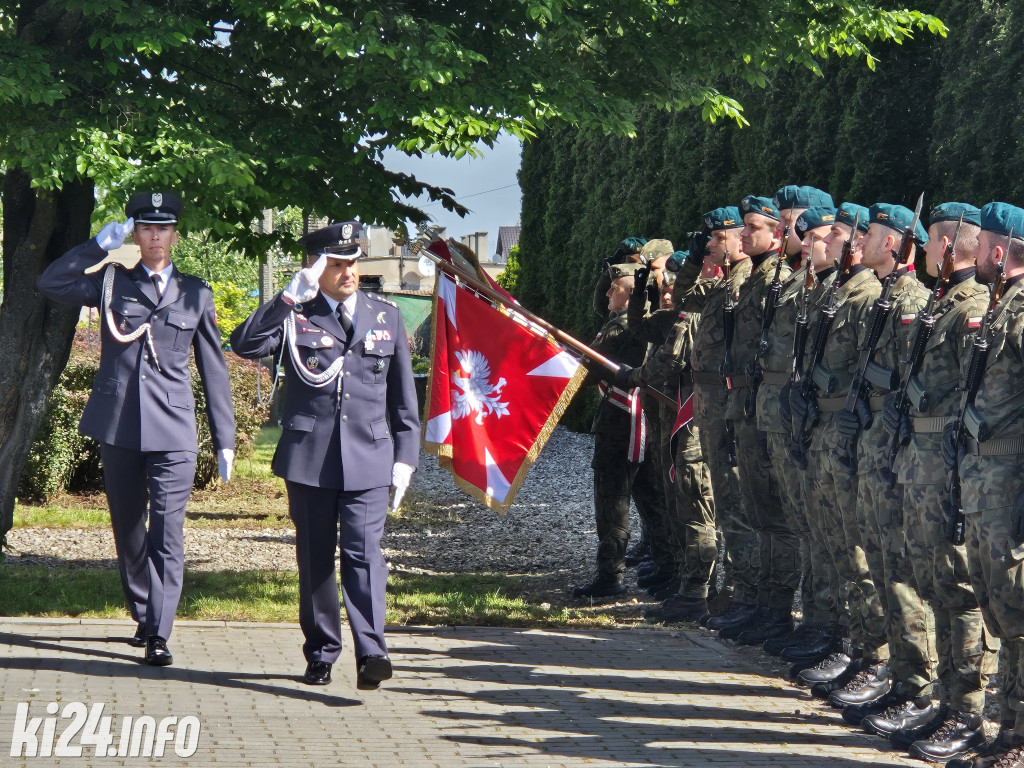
(460, 697)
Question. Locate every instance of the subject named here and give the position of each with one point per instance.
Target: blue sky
(487, 186)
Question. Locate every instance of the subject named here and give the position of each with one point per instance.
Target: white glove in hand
(306, 283)
(225, 463)
(112, 236)
(400, 476)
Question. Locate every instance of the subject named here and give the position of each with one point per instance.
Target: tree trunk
(35, 334)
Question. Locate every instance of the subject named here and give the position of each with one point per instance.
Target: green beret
(723, 218)
(761, 205)
(848, 212)
(999, 218)
(897, 217)
(813, 218)
(952, 211)
(628, 247)
(675, 261)
(792, 196)
(615, 271)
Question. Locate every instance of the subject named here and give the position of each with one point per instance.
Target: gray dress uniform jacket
(134, 404)
(340, 437)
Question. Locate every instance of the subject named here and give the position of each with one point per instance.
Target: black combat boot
(901, 713)
(677, 609)
(904, 737)
(828, 670)
(802, 632)
(815, 647)
(637, 553)
(775, 623)
(604, 585)
(665, 590)
(752, 618)
(960, 733)
(989, 753)
(654, 576)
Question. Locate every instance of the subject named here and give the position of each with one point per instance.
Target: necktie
(156, 284)
(346, 324)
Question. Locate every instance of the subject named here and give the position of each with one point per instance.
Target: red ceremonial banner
(498, 387)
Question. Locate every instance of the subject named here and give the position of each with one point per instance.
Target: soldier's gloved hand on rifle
(785, 411)
(847, 423)
(950, 450)
(804, 410)
(626, 377)
(638, 298)
(896, 422)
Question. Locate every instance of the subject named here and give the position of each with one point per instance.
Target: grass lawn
(255, 498)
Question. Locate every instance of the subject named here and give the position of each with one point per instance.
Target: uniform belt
(835, 404)
(1006, 446)
(707, 378)
(776, 378)
(923, 424)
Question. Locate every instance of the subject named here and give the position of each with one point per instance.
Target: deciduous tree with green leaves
(242, 105)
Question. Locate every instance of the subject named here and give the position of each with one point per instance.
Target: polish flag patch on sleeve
(974, 323)
(907, 318)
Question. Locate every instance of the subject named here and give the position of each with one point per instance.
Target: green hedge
(60, 459)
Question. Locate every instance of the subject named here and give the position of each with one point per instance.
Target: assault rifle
(868, 371)
(803, 322)
(728, 325)
(968, 420)
(754, 373)
(808, 386)
(910, 387)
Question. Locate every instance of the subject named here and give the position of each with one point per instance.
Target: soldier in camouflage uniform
(878, 506)
(833, 493)
(692, 519)
(779, 550)
(964, 656)
(710, 415)
(992, 482)
(792, 201)
(819, 582)
(615, 464)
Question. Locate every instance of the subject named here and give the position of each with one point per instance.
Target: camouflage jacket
(777, 362)
(908, 298)
(995, 480)
(750, 308)
(958, 314)
(842, 350)
(710, 397)
(615, 342)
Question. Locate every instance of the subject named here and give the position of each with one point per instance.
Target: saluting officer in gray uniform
(347, 363)
(141, 409)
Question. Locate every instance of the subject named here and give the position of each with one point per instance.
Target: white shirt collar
(164, 273)
(349, 304)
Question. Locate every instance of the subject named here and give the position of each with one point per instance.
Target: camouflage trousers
(741, 548)
(1010, 695)
(693, 521)
(966, 653)
(614, 479)
(817, 573)
(778, 546)
(655, 505)
(909, 627)
(829, 592)
(834, 496)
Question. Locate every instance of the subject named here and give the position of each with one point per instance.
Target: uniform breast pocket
(128, 315)
(184, 326)
(376, 361)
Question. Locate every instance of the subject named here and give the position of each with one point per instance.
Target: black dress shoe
(139, 638)
(753, 618)
(677, 608)
(737, 613)
(959, 734)
(317, 673)
(904, 737)
(774, 624)
(860, 691)
(901, 713)
(156, 652)
(372, 671)
(604, 585)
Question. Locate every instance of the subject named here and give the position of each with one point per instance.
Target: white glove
(225, 462)
(400, 476)
(306, 283)
(112, 236)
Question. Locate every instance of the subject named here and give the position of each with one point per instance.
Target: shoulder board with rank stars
(381, 299)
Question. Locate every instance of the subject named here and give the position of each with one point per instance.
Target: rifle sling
(929, 424)
(1006, 446)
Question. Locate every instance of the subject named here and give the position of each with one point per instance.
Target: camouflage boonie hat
(615, 271)
(655, 249)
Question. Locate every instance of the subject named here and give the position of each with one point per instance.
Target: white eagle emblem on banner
(478, 395)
